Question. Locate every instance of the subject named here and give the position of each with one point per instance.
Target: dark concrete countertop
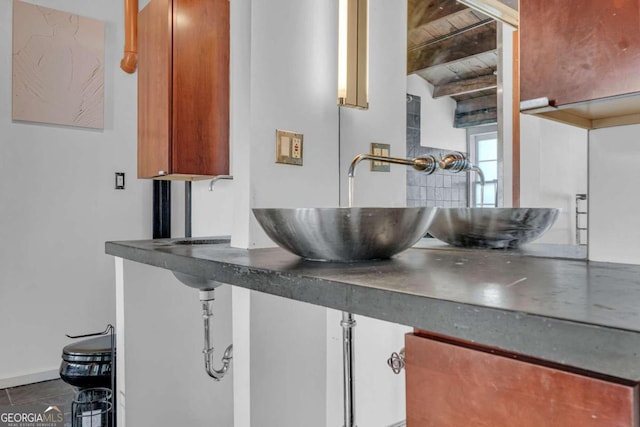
(582, 314)
(544, 250)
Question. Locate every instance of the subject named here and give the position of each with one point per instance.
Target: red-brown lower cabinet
(454, 384)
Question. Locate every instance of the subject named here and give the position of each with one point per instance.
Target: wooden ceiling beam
(476, 111)
(423, 12)
(474, 104)
(496, 9)
(475, 118)
(461, 87)
(473, 42)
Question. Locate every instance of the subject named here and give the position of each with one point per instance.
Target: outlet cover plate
(379, 149)
(289, 147)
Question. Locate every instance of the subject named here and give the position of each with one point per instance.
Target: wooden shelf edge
(630, 119)
(180, 177)
(565, 116)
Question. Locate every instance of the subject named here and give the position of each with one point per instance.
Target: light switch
(285, 146)
(119, 180)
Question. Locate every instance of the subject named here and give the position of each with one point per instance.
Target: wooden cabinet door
(200, 87)
(452, 386)
(574, 51)
(183, 89)
(154, 89)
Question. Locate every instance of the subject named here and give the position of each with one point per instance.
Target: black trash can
(88, 365)
(92, 407)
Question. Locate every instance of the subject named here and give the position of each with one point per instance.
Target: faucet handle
(455, 162)
(426, 164)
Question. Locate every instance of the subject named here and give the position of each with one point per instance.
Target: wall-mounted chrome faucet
(453, 162)
(427, 164)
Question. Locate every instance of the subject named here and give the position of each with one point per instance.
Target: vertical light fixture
(353, 53)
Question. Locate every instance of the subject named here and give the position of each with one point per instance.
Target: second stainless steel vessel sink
(491, 227)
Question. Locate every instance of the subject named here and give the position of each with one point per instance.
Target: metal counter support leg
(187, 209)
(349, 390)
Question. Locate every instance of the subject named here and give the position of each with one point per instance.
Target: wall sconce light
(353, 53)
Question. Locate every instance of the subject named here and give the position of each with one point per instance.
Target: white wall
(58, 208)
(553, 169)
(614, 202)
(292, 86)
(166, 384)
(212, 211)
(437, 117)
(385, 120)
(288, 363)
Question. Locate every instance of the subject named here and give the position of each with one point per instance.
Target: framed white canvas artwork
(58, 67)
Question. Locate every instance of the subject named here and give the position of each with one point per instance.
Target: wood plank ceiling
(455, 49)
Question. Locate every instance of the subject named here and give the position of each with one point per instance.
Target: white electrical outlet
(296, 149)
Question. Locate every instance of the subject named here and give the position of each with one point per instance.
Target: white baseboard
(29, 379)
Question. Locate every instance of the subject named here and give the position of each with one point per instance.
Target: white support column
(241, 332)
(120, 383)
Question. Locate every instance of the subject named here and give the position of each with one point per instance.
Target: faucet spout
(477, 170)
(426, 164)
(217, 178)
(458, 162)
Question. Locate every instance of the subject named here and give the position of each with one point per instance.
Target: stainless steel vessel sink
(491, 227)
(345, 234)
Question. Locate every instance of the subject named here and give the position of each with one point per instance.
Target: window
(483, 150)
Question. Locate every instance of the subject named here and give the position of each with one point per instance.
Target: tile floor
(55, 392)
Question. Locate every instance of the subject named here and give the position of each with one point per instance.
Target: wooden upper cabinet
(584, 57)
(452, 385)
(183, 89)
